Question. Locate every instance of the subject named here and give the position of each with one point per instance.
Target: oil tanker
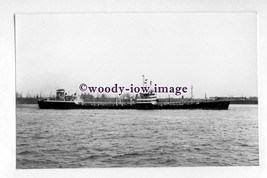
(143, 101)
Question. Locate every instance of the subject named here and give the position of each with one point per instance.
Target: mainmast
(143, 80)
(192, 92)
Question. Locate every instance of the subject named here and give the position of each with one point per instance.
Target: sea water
(47, 138)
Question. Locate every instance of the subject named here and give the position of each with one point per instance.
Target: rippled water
(136, 138)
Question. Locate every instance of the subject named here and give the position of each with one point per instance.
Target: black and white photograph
(104, 90)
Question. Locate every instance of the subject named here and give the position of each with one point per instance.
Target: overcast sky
(216, 52)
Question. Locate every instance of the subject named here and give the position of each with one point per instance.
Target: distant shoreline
(246, 101)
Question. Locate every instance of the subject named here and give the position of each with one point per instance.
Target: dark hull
(44, 104)
(216, 105)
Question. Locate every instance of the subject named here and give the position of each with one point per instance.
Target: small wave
(255, 159)
(88, 157)
(32, 123)
(99, 149)
(25, 152)
(22, 144)
(188, 149)
(54, 150)
(244, 145)
(191, 160)
(37, 136)
(126, 155)
(132, 154)
(197, 148)
(128, 136)
(206, 144)
(170, 160)
(82, 148)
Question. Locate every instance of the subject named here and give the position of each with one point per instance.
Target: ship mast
(150, 87)
(143, 80)
(192, 92)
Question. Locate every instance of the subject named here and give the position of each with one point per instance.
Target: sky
(214, 52)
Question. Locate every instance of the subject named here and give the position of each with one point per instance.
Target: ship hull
(45, 104)
(215, 105)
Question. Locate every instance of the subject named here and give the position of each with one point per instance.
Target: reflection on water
(136, 138)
